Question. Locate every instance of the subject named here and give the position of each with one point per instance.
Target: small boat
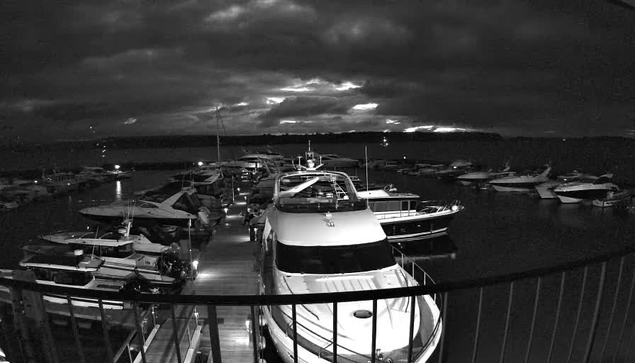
(613, 198)
(588, 188)
(520, 183)
(405, 217)
(73, 270)
(320, 237)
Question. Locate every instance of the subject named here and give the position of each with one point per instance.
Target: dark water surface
(496, 233)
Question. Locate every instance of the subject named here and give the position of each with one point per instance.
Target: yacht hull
(520, 188)
(416, 228)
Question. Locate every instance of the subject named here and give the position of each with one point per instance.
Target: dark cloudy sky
(97, 68)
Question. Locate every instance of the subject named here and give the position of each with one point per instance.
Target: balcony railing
(574, 312)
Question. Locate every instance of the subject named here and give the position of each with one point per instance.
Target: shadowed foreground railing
(575, 312)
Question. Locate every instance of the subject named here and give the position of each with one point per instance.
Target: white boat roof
(312, 229)
(382, 194)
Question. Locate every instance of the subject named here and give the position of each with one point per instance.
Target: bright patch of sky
(365, 106)
(416, 128)
(275, 100)
(346, 86)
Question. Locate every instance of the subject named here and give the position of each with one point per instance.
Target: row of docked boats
(142, 254)
(17, 191)
(574, 187)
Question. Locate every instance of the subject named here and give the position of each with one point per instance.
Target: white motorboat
(70, 270)
(546, 190)
(480, 178)
(320, 237)
(123, 254)
(405, 217)
(179, 209)
(63, 182)
(520, 183)
(588, 188)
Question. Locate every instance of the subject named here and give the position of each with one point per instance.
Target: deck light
(117, 167)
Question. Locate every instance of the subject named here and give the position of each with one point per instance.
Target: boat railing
(578, 311)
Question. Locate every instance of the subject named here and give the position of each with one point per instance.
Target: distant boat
(588, 188)
(546, 190)
(520, 183)
(482, 177)
(452, 171)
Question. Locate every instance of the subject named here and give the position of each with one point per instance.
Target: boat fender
(263, 343)
(203, 218)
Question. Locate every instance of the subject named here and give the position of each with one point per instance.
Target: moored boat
(613, 198)
(520, 183)
(405, 217)
(588, 188)
(320, 237)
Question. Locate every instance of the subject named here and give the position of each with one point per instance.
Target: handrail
(315, 298)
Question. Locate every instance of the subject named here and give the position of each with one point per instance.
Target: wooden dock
(226, 267)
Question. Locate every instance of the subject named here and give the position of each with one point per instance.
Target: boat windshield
(334, 259)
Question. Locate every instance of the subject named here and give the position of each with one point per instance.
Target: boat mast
(218, 134)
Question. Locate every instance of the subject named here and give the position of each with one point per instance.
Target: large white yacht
(588, 188)
(320, 237)
(520, 183)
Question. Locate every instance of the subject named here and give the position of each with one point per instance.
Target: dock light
(226, 210)
(455, 208)
(238, 189)
(200, 163)
(117, 167)
(195, 264)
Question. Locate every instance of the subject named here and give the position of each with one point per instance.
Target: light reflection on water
(118, 192)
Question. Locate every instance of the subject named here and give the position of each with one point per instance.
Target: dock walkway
(226, 267)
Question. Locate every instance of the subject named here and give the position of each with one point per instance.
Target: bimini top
(311, 191)
(326, 229)
(317, 207)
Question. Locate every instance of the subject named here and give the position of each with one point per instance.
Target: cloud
(480, 65)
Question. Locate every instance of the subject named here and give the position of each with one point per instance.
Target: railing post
(255, 324)
(140, 336)
(509, 310)
(596, 314)
(104, 330)
(533, 319)
(557, 318)
(78, 344)
(413, 306)
(214, 336)
(294, 323)
(175, 335)
(612, 314)
(628, 308)
(335, 332)
(577, 318)
(444, 327)
(373, 353)
(478, 323)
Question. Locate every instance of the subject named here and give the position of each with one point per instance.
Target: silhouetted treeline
(177, 141)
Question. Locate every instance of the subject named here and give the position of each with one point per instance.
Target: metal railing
(574, 312)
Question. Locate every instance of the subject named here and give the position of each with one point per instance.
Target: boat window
(71, 278)
(334, 259)
(125, 250)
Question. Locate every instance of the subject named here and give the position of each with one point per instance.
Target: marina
(210, 321)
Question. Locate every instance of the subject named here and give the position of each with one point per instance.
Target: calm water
(496, 233)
